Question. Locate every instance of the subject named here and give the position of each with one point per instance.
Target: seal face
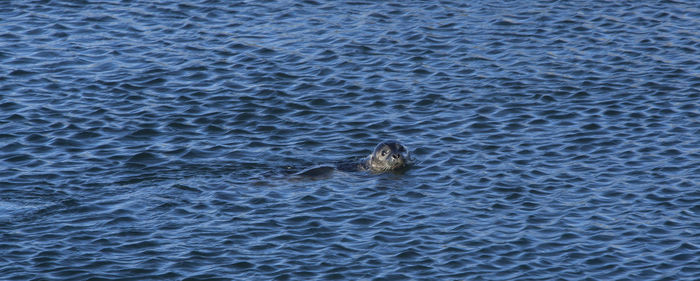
(387, 156)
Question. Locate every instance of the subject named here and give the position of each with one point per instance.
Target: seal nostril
(396, 156)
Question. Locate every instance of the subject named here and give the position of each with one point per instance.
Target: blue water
(157, 140)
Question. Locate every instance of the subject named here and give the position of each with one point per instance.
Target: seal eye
(384, 152)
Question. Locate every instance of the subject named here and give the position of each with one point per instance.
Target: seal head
(387, 156)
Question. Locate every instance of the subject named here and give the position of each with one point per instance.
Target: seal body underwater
(387, 156)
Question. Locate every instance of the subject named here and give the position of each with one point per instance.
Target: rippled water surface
(158, 140)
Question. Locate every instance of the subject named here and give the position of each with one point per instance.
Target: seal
(387, 156)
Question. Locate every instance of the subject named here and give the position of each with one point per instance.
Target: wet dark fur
(387, 156)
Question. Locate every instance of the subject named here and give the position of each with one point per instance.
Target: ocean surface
(161, 140)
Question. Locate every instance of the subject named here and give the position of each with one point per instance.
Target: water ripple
(553, 141)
